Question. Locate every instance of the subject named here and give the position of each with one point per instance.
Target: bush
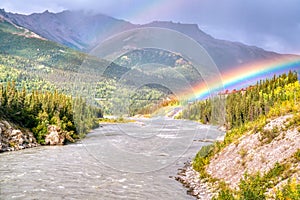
(252, 187)
(290, 191)
(202, 159)
(205, 150)
(297, 155)
(243, 152)
(267, 136)
(224, 195)
(276, 171)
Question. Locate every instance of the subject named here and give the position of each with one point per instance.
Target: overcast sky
(270, 24)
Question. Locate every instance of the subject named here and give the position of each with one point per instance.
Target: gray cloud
(270, 24)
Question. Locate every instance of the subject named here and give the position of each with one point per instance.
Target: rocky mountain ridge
(81, 30)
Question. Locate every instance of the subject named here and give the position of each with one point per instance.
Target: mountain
(35, 62)
(79, 30)
(82, 31)
(225, 54)
(38, 64)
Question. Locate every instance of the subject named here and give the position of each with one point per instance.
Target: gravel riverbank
(191, 180)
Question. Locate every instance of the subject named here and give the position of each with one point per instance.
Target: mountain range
(83, 31)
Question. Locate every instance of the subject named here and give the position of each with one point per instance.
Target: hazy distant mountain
(81, 30)
(226, 54)
(78, 30)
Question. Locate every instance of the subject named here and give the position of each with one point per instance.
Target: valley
(133, 123)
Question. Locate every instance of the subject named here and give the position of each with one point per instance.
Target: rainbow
(245, 75)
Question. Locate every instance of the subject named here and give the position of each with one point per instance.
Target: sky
(271, 24)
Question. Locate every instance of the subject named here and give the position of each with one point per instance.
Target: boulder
(55, 136)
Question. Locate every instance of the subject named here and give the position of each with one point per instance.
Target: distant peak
(192, 30)
(47, 12)
(2, 12)
(173, 24)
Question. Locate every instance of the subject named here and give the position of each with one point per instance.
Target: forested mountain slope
(33, 74)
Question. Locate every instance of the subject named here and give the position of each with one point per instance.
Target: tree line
(245, 105)
(36, 110)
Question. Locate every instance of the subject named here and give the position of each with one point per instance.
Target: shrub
(273, 175)
(224, 195)
(267, 136)
(297, 155)
(252, 187)
(202, 159)
(289, 191)
(242, 152)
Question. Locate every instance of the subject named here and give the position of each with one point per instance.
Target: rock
(12, 139)
(55, 136)
(189, 178)
(15, 132)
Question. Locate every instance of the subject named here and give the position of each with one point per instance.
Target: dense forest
(248, 104)
(36, 110)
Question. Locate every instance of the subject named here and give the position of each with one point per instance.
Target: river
(117, 161)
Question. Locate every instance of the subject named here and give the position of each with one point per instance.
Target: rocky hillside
(273, 152)
(259, 157)
(13, 138)
(275, 143)
(260, 165)
(78, 29)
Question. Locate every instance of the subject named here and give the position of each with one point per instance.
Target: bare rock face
(55, 136)
(12, 139)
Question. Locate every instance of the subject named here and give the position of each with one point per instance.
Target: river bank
(13, 138)
(191, 180)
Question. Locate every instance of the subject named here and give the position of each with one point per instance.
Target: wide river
(117, 161)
